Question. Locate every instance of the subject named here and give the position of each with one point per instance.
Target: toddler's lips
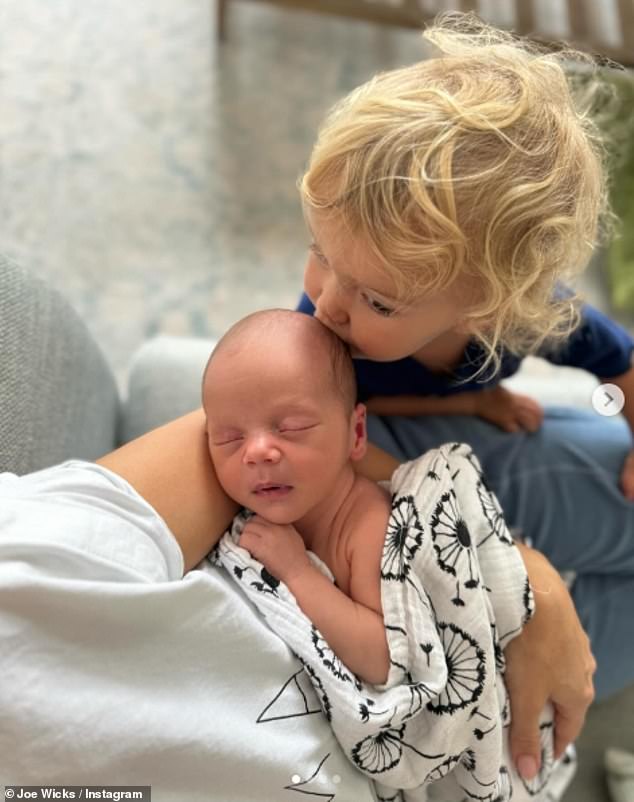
(272, 491)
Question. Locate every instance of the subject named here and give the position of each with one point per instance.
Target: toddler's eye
(378, 307)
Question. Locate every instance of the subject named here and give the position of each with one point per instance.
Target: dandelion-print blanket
(454, 592)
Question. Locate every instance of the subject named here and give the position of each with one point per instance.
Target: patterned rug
(150, 173)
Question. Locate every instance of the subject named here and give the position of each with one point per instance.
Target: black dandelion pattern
(528, 602)
(475, 463)
(443, 769)
(366, 713)
(330, 660)
(466, 671)
(403, 539)
(265, 582)
(539, 781)
(324, 701)
(427, 649)
(468, 760)
(419, 696)
(381, 752)
(437, 466)
(453, 544)
(480, 733)
(505, 786)
(505, 715)
(214, 556)
(494, 515)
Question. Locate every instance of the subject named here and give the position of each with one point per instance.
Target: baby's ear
(359, 433)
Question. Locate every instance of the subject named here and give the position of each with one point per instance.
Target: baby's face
(278, 432)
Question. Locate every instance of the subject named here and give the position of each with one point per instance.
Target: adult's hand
(627, 477)
(550, 661)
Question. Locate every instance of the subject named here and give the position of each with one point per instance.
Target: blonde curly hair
(483, 165)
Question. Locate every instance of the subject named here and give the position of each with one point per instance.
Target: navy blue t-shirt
(598, 345)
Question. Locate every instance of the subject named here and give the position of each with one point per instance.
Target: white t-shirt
(115, 669)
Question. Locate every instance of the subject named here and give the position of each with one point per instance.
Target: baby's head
(473, 170)
(279, 393)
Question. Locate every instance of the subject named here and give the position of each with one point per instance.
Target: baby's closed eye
(295, 425)
(224, 437)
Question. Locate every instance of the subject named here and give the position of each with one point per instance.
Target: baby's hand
(627, 477)
(279, 547)
(510, 411)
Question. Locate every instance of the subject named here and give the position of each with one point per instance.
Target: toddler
(447, 202)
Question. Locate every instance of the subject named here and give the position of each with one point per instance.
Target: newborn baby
(284, 431)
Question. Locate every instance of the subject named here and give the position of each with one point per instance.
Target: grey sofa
(59, 399)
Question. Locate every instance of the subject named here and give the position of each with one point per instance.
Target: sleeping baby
(398, 604)
(284, 431)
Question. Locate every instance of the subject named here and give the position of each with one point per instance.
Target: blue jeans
(559, 486)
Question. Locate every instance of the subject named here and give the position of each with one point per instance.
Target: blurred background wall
(149, 171)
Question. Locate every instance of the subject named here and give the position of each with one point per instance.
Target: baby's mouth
(272, 490)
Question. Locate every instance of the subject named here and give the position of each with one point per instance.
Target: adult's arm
(550, 661)
(626, 383)
(171, 468)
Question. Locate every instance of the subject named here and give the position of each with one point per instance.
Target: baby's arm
(351, 624)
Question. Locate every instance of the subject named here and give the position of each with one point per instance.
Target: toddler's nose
(330, 308)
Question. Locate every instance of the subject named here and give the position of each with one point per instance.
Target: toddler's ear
(359, 433)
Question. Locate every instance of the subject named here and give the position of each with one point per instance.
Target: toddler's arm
(512, 412)
(377, 464)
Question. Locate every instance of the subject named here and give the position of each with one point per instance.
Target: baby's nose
(261, 448)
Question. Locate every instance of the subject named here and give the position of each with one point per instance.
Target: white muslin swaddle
(454, 592)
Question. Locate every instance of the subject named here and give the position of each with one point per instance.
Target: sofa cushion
(164, 382)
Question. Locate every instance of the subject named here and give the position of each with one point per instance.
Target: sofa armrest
(58, 396)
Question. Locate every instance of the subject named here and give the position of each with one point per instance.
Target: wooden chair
(604, 27)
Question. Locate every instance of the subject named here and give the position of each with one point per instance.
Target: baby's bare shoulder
(369, 517)
(367, 530)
